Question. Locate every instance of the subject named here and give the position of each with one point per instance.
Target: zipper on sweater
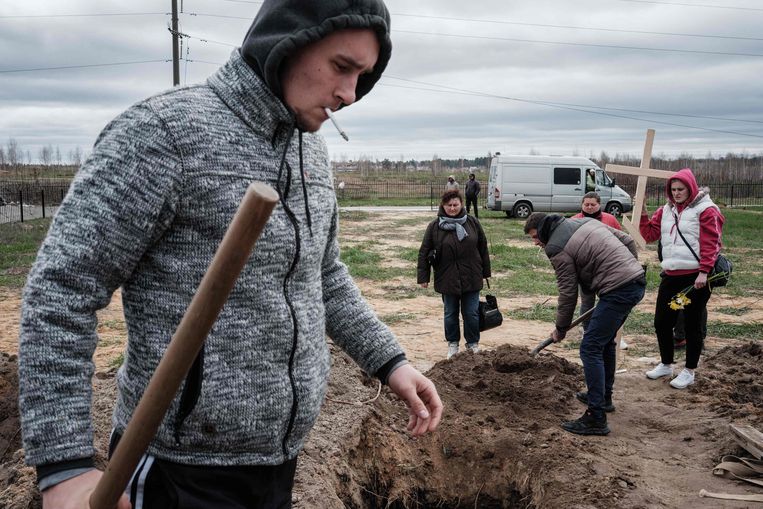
(292, 417)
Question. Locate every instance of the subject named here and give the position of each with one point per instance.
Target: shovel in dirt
(575, 322)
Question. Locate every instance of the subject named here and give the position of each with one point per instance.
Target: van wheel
(522, 210)
(614, 208)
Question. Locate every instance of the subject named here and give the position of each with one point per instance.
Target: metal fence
(22, 201)
(732, 194)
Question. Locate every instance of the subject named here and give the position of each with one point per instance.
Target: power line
(611, 46)
(83, 66)
(571, 27)
(539, 25)
(188, 36)
(694, 5)
(555, 103)
(567, 107)
(86, 15)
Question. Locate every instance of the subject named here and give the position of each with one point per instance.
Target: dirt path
(500, 444)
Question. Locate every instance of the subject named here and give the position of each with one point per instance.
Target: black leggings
(665, 318)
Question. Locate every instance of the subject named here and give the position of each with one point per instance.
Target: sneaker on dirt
(473, 347)
(660, 371)
(452, 348)
(684, 379)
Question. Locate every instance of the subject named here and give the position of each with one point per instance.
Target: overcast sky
(465, 79)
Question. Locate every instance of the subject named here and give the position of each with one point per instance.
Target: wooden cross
(643, 172)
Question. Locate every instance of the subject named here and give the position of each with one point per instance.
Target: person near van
(590, 180)
(472, 193)
(147, 211)
(591, 207)
(587, 253)
(451, 184)
(455, 245)
(687, 259)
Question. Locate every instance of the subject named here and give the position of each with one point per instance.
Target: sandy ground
(500, 444)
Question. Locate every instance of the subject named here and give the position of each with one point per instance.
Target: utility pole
(175, 44)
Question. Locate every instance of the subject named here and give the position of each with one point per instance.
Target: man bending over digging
(146, 213)
(603, 261)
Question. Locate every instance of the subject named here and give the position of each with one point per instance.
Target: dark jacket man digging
(601, 260)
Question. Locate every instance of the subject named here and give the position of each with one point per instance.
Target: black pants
(472, 201)
(665, 318)
(161, 484)
(679, 331)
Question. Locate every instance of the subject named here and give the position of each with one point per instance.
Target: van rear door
(567, 188)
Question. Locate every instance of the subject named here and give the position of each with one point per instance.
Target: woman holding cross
(689, 227)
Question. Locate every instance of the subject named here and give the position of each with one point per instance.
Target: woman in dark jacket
(455, 245)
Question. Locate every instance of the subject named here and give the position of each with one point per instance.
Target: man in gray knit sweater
(146, 213)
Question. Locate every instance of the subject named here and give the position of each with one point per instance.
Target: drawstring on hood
(304, 187)
(695, 195)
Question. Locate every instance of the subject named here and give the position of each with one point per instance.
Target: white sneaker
(452, 348)
(473, 347)
(623, 344)
(660, 371)
(684, 379)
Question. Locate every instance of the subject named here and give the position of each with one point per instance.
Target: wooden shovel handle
(543, 344)
(230, 258)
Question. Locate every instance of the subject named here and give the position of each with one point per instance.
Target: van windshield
(602, 179)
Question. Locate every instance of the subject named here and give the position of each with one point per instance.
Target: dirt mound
(16, 480)
(733, 378)
(500, 444)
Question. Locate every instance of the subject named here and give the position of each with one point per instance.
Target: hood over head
(282, 27)
(687, 177)
(547, 225)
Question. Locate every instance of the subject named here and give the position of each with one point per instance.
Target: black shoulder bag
(722, 264)
(490, 316)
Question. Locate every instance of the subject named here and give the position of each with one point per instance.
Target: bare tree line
(709, 170)
(18, 163)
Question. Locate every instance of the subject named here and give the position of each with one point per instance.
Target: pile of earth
(734, 378)
(499, 444)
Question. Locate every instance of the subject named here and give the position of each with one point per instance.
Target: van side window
(568, 176)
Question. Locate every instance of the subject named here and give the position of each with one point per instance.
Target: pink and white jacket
(700, 221)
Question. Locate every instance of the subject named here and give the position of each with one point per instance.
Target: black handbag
(722, 265)
(490, 316)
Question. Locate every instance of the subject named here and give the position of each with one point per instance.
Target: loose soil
(499, 444)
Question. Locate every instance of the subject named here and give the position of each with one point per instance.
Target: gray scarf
(454, 223)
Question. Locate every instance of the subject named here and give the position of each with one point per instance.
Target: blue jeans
(598, 350)
(469, 304)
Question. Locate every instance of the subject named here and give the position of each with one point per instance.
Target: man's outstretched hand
(420, 396)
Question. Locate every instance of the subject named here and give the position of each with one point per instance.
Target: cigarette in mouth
(333, 121)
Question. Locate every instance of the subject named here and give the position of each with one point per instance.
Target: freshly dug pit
(499, 445)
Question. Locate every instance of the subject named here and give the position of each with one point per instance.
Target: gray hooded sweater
(146, 213)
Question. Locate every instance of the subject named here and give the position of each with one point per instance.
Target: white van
(520, 185)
